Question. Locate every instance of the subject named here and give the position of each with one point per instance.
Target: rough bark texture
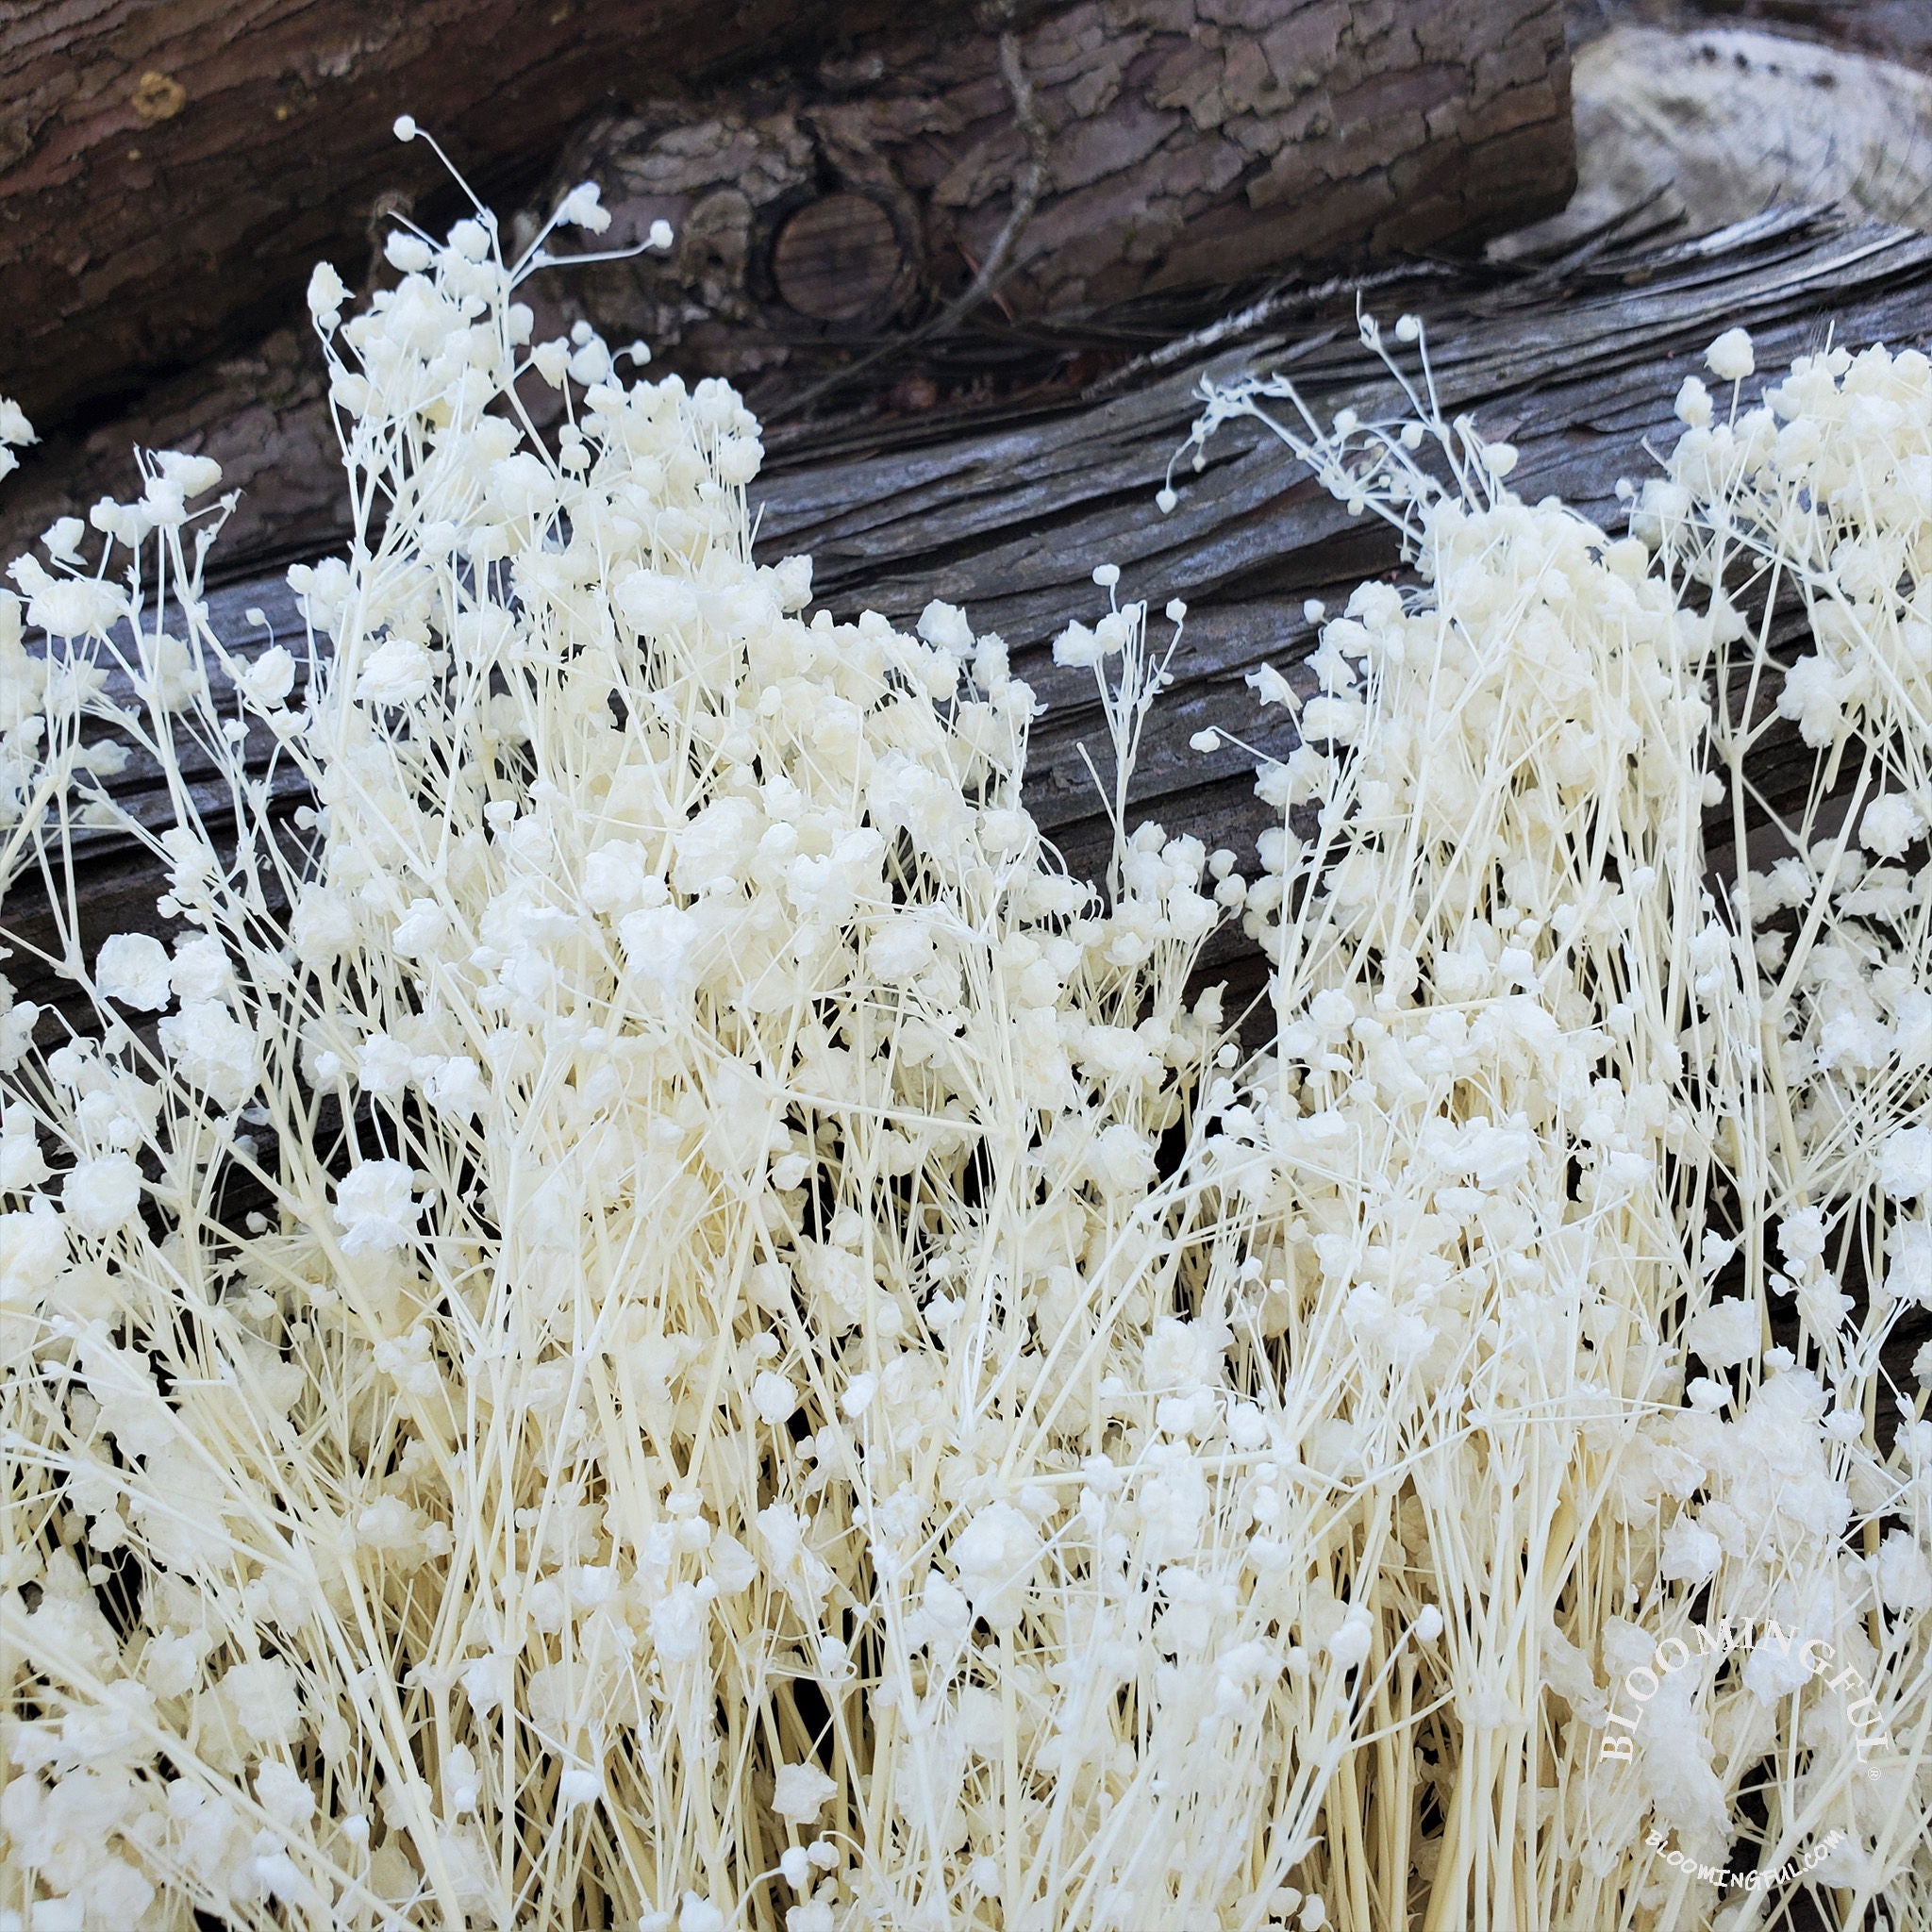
(1187, 142)
(169, 172)
(170, 168)
(1184, 141)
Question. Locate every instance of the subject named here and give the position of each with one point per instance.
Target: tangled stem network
(646, 1317)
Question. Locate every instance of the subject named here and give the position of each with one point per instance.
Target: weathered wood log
(169, 172)
(1180, 141)
(1178, 144)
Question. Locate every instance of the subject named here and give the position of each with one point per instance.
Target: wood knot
(159, 97)
(836, 258)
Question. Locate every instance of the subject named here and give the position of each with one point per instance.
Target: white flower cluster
(713, 1399)
(651, 1318)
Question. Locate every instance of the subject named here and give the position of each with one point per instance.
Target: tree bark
(1180, 144)
(170, 172)
(171, 169)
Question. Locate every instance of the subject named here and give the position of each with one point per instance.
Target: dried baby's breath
(646, 1317)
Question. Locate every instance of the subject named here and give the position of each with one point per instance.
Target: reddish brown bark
(1186, 144)
(170, 168)
(841, 200)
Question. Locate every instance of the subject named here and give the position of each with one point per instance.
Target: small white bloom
(1905, 1164)
(658, 941)
(323, 927)
(995, 1554)
(1902, 1573)
(374, 1207)
(212, 1050)
(263, 1698)
(327, 294)
(406, 251)
(678, 1622)
(1891, 825)
(33, 1250)
(1351, 1643)
(1076, 648)
(269, 679)
(1690, 1553)
(800, 1792)
(699, 1915)
(68, 607)
(1730, 357)
(421, 930)
(1725, 1332)
(946, 625)
(101, 1196)
(1909, 1276)
(382, 1065)
(201, 969)
(62, 538)
(396, 671)
(1693, 404)
(284, 1795)
(21, 1164)
(774, 1398)
(1121, 1161)
(583, 208)
(132, 969)
(193, 475)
